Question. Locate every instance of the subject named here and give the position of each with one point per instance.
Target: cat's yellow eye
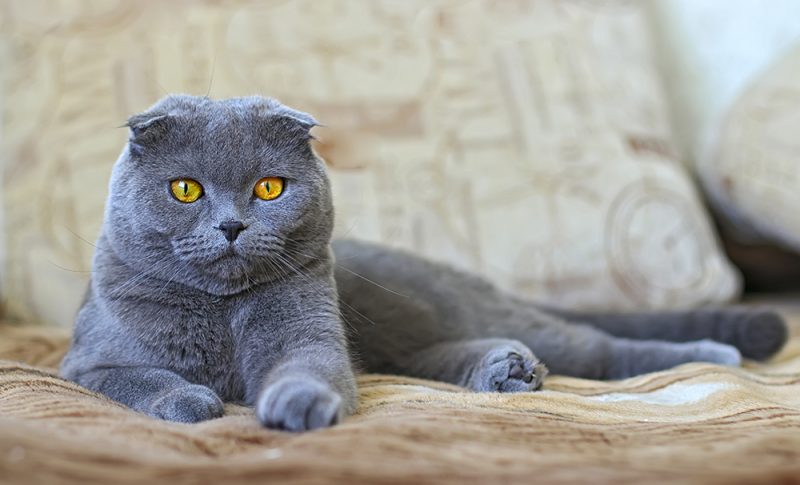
(268, 188)
(186, 190)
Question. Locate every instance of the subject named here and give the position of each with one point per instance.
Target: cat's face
(219, 195)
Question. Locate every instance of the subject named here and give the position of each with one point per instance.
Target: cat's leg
(757, 332)
(634, 357)
(310, 387)
(501, 365)
(406, 302)
(156, 392)
(294, 357)
(582, 351)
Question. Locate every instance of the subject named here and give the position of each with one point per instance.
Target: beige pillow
(752, 169)
(527, 141)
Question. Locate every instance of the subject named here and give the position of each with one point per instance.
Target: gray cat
(214, 280)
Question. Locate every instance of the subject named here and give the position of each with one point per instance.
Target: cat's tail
(757, 333)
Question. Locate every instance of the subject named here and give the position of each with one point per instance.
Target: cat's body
(232, 297)
(399, 305)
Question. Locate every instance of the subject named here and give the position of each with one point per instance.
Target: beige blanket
(695, 423)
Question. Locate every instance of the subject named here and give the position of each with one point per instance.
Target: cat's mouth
(234, 263)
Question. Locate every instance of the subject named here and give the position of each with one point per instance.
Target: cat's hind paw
(716, 352)
(510, 367)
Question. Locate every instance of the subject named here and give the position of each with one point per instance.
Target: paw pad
(507, 368)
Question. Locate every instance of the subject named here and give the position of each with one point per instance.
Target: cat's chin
(229, 266)
(227, 275)
(226, 285)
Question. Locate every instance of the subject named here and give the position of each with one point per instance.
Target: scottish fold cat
(215, 280)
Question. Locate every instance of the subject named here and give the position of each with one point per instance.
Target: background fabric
(525, 140)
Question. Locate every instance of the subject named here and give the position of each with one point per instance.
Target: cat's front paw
(510, 367)
(299, 404)
(187, 404)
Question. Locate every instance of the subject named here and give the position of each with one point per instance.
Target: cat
(215, 280)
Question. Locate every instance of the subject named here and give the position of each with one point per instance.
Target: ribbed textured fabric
(695, 423)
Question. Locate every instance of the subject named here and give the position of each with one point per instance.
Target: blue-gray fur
(178, 319)
(420, 304)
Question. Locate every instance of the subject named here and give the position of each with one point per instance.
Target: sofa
(529, 141)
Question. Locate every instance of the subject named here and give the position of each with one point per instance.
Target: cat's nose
(231, 229)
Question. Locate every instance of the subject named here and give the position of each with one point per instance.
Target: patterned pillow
(524, 140)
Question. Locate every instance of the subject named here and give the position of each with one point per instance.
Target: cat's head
(219, 195)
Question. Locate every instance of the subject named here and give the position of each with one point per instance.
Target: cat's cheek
(175, 219)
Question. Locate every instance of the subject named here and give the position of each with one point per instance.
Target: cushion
(751, 169)
(696, 423)
(528, 141)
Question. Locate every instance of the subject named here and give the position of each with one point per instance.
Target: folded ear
(296, 122)
(145, 129)
(304, 119)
